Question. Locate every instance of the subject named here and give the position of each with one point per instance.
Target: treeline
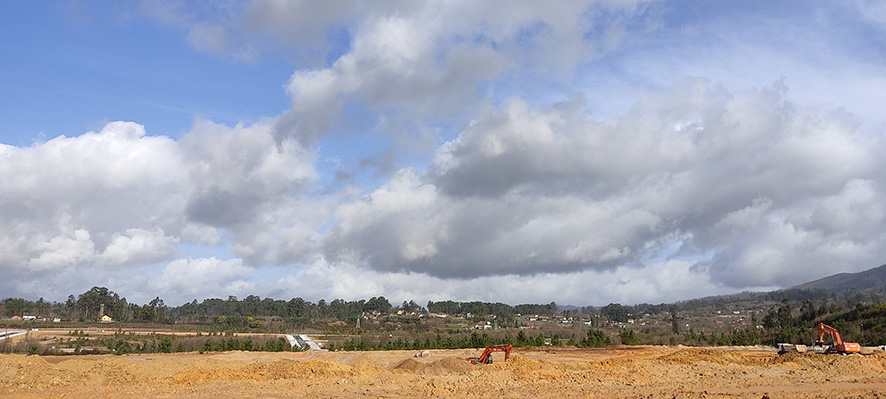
(234, 312)
(487, 308)
(100, 301)
(90, 305)
(121, 343)
(594, 338)
(297, 310)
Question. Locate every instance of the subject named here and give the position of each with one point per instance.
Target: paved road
(10, 334)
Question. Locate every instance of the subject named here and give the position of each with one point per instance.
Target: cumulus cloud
(119, 199)
(137, 246)
(666, 281)
(526, 190)
(562, 153)
(426, 60)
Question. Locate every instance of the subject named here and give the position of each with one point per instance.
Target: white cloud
(523, 191)
(138, 246)
(200, 234)
(62, 250)
(658, 282)
(183, 280)
(427, 60)
(120, 199)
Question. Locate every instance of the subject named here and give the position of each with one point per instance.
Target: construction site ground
(614, 372)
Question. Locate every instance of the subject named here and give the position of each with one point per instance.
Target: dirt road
(621, 372)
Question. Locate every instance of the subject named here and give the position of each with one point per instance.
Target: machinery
(837, 346)
(486, 357)
(786, 348)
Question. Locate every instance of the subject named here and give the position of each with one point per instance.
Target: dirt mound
(449, 365)
(410, 365)
(266, 371)
(833, 364)
(28, 372)
(531, 369)
(696, 355)
(799, 358)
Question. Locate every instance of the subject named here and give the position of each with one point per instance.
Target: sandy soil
(619, 372)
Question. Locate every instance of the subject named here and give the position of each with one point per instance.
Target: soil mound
(833, 364)
(534, 370)
(799, 358)
(694, 355)
(28, 372)
(266, 371)
(449, 365)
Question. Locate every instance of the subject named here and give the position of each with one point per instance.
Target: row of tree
(486, 308)
(90, 305)
(99, 301)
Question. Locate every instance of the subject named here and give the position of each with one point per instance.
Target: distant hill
(871, 282)
(570, 308)
(872, 279)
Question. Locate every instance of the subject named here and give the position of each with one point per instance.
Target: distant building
(106, 319)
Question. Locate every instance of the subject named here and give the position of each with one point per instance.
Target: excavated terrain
(619, 372)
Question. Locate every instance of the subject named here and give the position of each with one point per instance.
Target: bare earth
(619, 372)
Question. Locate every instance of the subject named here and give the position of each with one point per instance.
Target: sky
(582, 152)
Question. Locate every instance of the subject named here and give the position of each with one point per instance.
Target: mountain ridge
(860, 281)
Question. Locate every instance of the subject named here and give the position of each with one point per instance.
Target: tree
(629, 338)
(411, 306)
(158, 308)
(596, 338)
(675, 328)
(522, 339)
(90, 302)
(377, 304)
(617, 312)
(17, 306)
(779, 318)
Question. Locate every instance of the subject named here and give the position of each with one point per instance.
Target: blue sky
(583, 152)
(69, 69)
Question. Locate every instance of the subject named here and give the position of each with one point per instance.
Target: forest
(790, 317)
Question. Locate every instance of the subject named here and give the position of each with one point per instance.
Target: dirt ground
(617, 372)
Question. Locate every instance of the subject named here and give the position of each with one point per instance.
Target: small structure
(105, 319)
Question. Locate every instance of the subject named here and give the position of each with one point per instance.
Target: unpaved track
(626, 372)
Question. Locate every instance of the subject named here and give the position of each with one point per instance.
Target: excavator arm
(826, 329)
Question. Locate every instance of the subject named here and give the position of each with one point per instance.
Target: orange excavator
(838, 346)
(486, 357)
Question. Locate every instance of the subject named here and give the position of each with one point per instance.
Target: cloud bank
(518, 168)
